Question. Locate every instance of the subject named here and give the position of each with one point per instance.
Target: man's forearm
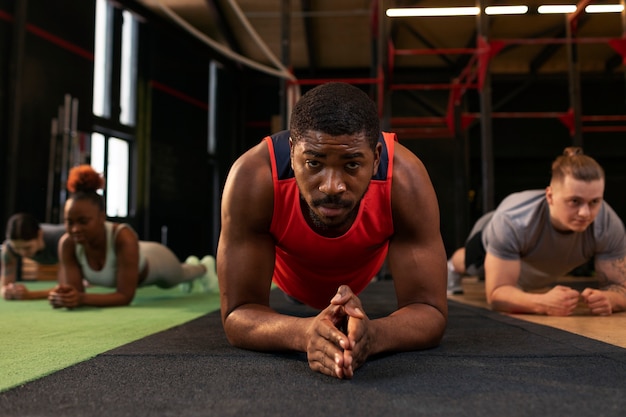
(257, 327)
(510, 299)
(617, 295)
(413, 327)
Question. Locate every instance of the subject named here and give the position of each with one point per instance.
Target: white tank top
(107, 276)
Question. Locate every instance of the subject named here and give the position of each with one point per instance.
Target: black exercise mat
(488, 365)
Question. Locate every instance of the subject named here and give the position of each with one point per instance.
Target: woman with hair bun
(109, 254)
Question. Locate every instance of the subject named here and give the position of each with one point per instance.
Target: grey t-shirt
(49, 254)
(521, 229)
(52, 233)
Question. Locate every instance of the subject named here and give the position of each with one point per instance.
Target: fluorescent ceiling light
(560, 8)
(499, 10)
(604, 8)
(436, 11)
(494, 10)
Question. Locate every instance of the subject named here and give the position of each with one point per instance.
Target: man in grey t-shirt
(534, 237)
(26, 237)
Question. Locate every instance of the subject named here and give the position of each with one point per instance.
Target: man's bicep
(418, 271)
(417, 258)
(245, 258)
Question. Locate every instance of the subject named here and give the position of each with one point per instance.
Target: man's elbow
(233, 335)
(438, 333)
(434, 333)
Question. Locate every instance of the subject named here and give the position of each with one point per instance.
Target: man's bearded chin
(321, 226)
(335, 200)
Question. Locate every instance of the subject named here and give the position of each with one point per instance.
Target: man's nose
(584, 210)
(333, 184)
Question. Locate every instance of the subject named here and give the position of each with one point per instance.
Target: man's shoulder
(521, 209)
(607, 221)
(521, 198)
(249, 183)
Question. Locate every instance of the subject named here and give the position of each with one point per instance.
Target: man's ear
(291, 152)
(377, 153)
(549, 196)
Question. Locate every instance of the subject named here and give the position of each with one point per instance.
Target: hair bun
(573, 150)
(83, 178)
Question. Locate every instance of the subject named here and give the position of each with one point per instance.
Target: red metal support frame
(473, 75)
(619, 45)
(486, 51)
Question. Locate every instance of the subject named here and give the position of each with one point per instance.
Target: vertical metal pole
(375, 49)
(164, 235)
(486, 124)
(384, 36)
(213, 167)
(75, 157)
(65, 147)
(623, 3)
(574, 80)
(54, 131)
(285, 58)
(15, 100)
(461, 174)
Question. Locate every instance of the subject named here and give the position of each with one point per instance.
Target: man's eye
(312, 164)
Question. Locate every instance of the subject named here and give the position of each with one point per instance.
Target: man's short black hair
(336, 109)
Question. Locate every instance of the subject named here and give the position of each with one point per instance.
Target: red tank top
(310, 267)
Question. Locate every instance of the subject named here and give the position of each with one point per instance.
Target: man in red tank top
(317, 210)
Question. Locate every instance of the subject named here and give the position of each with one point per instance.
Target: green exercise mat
(37, 340)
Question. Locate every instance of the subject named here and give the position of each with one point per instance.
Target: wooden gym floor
(611, 329)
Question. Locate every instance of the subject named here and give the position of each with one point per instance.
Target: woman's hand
(65, 296)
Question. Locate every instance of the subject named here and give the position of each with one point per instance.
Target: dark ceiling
(335, 35)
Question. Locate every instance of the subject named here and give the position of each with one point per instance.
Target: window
(114, 103)
(128, 75)
(116, 154)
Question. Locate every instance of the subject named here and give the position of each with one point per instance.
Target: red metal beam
(434, 51)
(440, 86)
(409, 121)
(619, 45)
(549, 41)
(318, 81)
